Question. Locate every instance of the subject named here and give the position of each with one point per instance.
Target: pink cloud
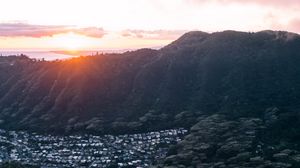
(154, 34)
(294, 25)
(28, 30)
(276, 3)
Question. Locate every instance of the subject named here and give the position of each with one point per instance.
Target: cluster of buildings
(129, 150)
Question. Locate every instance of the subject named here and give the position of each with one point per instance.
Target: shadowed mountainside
(233, 73)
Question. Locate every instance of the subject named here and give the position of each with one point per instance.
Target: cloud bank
(37, 31)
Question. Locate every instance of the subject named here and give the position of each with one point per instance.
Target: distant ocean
(38, 54)
(54, 55)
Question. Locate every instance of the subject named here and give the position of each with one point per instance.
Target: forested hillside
(236, 74)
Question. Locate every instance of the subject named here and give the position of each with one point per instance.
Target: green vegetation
(232, 73)
(240, 93)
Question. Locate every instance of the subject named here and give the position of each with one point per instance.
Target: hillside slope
(236, 74)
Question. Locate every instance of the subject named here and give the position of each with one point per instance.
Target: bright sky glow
(119, 24)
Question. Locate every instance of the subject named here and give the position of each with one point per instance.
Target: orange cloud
(90, 32)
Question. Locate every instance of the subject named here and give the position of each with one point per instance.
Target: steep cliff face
(233, 73)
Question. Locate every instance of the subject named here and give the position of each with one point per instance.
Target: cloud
(274, 3)
(91, 32)
(290, 24)
(295, 25)
(154, 34)
(37, 31)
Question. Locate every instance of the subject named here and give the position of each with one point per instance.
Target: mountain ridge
(233, 73)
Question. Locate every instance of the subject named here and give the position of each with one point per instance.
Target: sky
(129, 24)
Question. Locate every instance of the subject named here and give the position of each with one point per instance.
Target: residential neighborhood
(133, 150)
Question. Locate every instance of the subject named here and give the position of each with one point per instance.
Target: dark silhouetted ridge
(237, 74)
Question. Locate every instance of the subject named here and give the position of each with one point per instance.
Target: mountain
(237, 92)
(236, 74)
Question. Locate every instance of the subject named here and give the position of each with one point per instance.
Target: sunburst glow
(71, 41)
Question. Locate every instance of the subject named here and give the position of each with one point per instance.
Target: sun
(72, 41)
